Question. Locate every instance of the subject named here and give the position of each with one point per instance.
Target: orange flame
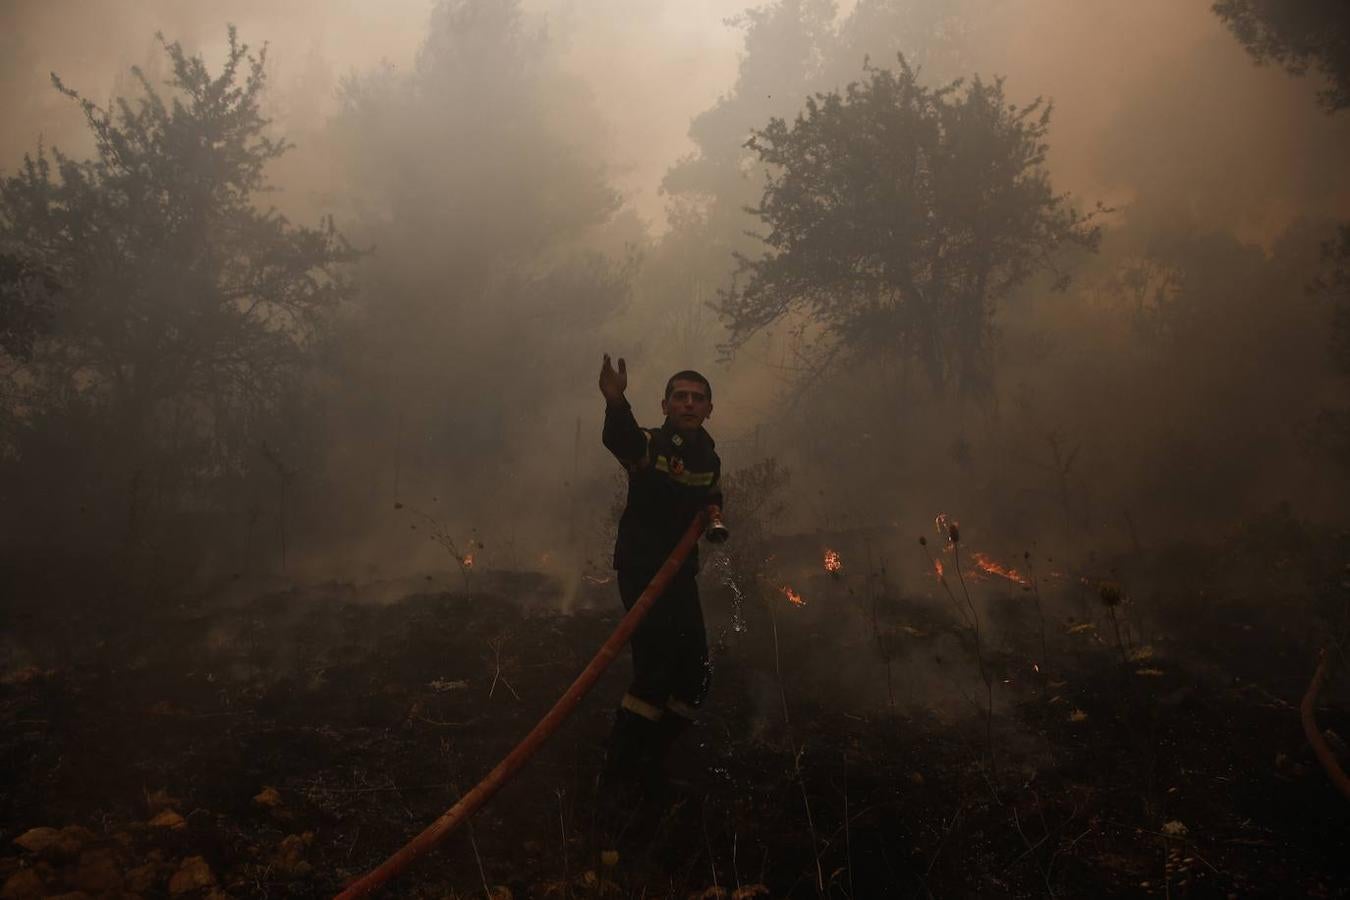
(467, 561)
(989, 567)
(794, 597)
(937, 565)
(832, 562)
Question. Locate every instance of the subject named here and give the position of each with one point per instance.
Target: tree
(26, 307)
(1334, 285)
(1298, 35)
(184, 309)
(898, 216)
(484, 298)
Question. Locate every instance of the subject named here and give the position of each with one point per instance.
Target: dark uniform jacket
(670, 479)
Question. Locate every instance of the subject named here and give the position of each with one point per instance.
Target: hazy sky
(652, 64)
(1150, 96)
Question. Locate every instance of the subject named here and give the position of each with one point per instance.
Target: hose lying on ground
(483, 791)
(1314, 734)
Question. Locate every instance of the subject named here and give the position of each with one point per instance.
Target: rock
(160, 800)
(1175, 829)
(98, 872)
(168, 819)
(290, 856)
(73, 839)
(268, 798)
(22, 885)
(142, 878)
(51, 843)
(36, 840)
(194, 873)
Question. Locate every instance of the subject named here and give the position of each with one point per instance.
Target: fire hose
(468, 804)
(1307, 708)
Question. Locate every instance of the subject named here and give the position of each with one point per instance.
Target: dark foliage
(186, 312)
(899, 215)
(1336, 285)
(1334, 424)
(27, 296)
(1298, 35)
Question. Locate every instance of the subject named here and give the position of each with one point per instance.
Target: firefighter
(673, 474)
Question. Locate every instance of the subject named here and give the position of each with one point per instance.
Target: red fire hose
(1307, 710)
(483, 791)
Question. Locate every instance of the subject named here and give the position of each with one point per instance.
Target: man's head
(688, 400)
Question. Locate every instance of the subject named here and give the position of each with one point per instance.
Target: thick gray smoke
(538, 184)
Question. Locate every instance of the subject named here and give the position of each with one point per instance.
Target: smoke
(1154, 101)
(1157, 105)
(519, 229)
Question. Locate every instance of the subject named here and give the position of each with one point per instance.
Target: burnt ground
(277, 744)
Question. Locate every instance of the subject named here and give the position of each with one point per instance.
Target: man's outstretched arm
(622, 435)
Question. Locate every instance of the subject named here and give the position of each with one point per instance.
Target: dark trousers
(670, 647)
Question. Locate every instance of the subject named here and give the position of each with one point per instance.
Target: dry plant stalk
(952, 531)
(796, 752)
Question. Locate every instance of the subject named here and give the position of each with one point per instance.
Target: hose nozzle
(716, 532)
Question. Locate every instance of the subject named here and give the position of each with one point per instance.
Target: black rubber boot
(656, 771)
(628, 749)
(622, 780)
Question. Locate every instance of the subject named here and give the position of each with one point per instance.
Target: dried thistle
(1110, 594)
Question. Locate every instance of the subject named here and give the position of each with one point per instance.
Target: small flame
(793, 597)
(989, 567)
(467, 561)
(937, 565)
(832, 562)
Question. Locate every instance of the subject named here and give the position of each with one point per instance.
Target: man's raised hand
(612, 383)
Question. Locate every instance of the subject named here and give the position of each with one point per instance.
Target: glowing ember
(989, 567)
(793, 596)
(467, 561)
(832, 562)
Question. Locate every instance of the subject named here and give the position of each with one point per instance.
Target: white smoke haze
(518, 218)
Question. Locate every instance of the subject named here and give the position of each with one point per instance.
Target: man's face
(688, 405)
